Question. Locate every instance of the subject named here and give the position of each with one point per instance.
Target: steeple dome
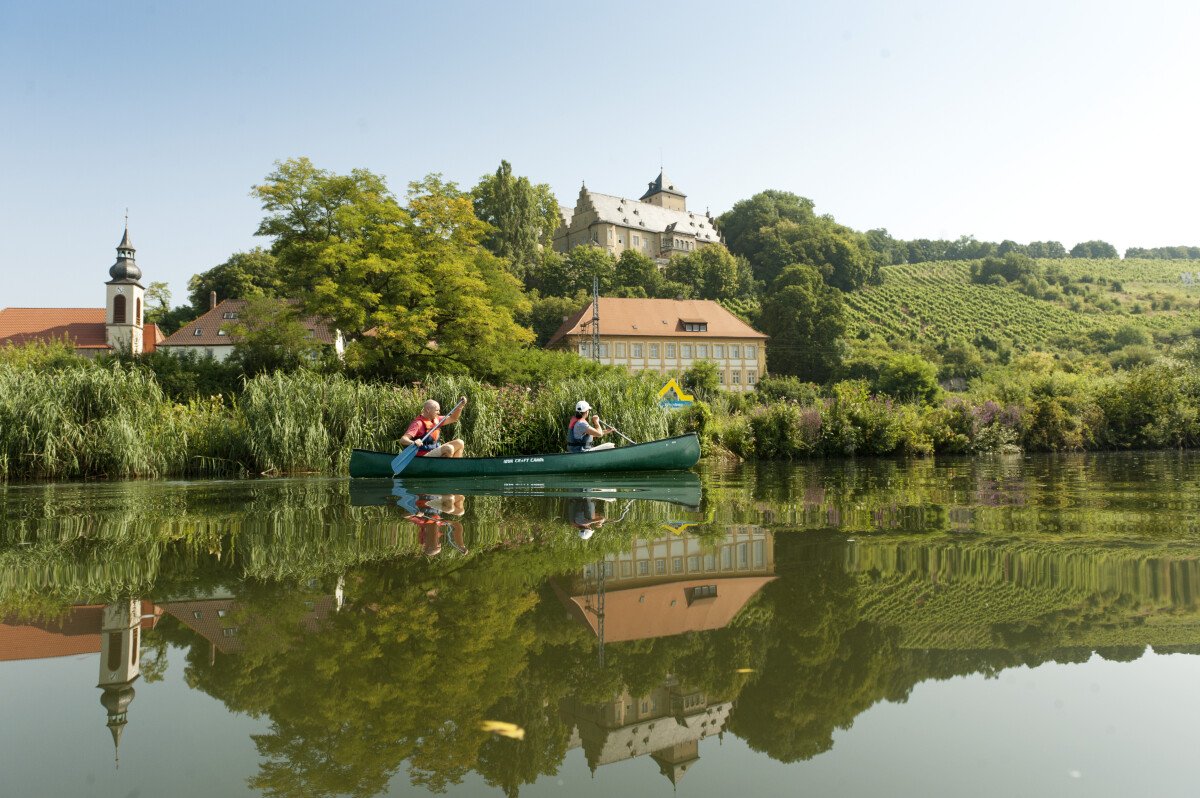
(125, 269)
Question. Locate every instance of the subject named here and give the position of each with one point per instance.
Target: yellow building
(657, 225)
(667, 336)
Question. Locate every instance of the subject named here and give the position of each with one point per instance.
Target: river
(989, 627)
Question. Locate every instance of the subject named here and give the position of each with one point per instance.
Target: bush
(787, 389)
(909, 378)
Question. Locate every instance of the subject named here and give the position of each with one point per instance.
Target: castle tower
(120, 663)
(662, 192)
(124, 299)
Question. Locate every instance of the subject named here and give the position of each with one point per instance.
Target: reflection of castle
(113, 631)
(671, 585)
(668, 724)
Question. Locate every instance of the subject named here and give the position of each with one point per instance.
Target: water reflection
(371, 628)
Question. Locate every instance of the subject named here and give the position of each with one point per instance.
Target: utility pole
(596, 317)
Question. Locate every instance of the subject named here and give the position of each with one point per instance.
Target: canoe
(669, 454)
(676, 487)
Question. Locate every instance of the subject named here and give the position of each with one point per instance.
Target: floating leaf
(503, 728)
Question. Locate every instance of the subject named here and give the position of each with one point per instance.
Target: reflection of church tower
(123, 306)
(120, 664)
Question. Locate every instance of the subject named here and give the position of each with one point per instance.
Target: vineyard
(936, 301)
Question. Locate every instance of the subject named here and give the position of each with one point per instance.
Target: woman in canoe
(581, 433)
(420, 431)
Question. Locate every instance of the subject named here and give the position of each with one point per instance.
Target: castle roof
(662, 184)
(652, 218)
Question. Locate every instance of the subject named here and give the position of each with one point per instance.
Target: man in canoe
(419, 431)
(581, 433)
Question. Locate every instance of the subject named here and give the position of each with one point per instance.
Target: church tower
(125, 294)
(120, 663)
(662, 192)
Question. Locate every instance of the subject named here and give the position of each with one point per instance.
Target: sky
(1046, 120)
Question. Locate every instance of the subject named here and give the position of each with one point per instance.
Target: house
(212, 334)
(658, 224)
(116, 327)
(668, 335)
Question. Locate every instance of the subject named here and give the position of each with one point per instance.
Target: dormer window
(197, 332)
(695, 326)
(229, 314)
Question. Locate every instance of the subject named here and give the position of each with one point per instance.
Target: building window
(737, 377)
(620, 350)
(695, 326)
(643, 568)
(222, 331)
(626, 568)
(222, 613)
(114, 650)
(760, 553)
(750, 353)
(718, 352)
(660, 566)
(727, 558)
(677, 565)
(229, 314)
(197, 615)
(702, 351)
(671, 351)
(687, 350)
(585, 350)
(750, 376)
(694, 563)
(637, 241)
(700, 592)
(637, 350)
(197, 332)
(138, 318)
(230, 631)
(654, 351)
(208, 352)
(721, 376)
(119, 309)
(734, 352)
(603, 350)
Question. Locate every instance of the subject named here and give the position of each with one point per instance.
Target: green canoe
(669, 454)
(676, 487)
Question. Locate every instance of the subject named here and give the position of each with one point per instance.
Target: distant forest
(922, 250)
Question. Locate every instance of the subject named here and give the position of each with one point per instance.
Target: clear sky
(1023, 120)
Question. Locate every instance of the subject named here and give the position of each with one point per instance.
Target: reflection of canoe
(669, 454)
(677, 487)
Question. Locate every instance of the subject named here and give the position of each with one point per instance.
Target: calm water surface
(1009, 626)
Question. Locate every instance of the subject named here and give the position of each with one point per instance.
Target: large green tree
(711, 272)
(804, 319)
(416, 276)
(775, 229)
(522, 216)
(242, 276)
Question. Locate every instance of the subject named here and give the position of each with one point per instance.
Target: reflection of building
(671, 585)
(668, 724)
(113, 631)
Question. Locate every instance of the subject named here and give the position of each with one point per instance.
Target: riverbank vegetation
(978, 347)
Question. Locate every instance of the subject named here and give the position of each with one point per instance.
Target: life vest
(577, 443)
(427, 425)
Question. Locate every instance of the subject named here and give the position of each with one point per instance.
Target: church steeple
(124, 297)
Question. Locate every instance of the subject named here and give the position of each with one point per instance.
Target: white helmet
(586, 534)
(582, 407)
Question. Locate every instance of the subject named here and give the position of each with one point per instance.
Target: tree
(702, 379)
(804, 319)
(1094, 249)
(565, 275)
(417, 276)
(547, 314)
(909, 377)
(243, 275)
(269, 336)
(158, 301)
(634, 270)
(776, 229)
(522, 216)
(711, 272)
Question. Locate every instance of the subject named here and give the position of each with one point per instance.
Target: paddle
(401, 461)
(622, 434)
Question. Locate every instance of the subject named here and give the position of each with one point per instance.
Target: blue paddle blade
(401, 461)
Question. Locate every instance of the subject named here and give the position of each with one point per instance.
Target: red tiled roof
(212, 322)
(657, 318)
(77, 633)
(84, 327)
